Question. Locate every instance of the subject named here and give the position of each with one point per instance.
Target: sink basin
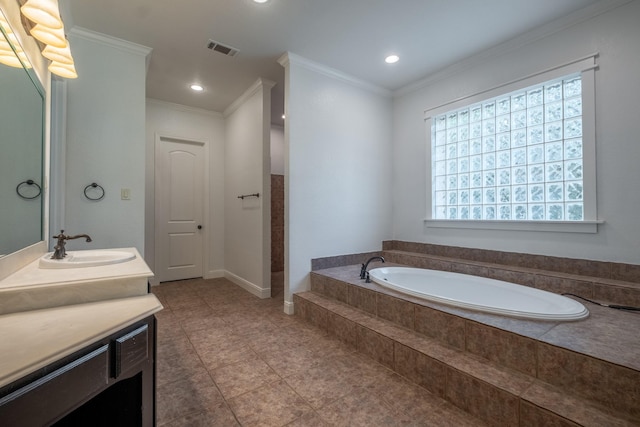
(90, 258)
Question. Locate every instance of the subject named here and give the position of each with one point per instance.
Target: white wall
(616, 36)
(167, 119)
(337, 168)
(106, 141)
(277, 150)
(247, 171)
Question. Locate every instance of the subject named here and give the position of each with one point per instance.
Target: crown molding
(252, 90)
(291, 58)
(114, 42)
(185, 108)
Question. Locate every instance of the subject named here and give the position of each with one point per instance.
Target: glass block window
(518, 156)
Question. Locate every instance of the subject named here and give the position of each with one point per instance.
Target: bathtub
(479, 293)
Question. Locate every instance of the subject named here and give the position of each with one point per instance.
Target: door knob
(199, 227)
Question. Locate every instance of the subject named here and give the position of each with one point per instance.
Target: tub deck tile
(593, 364)
(506, 348)
(560, 408)
(607, 334)
(439, 325)
(495, 394)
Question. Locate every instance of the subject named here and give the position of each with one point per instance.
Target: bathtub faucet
(363, 269)
(60, 252)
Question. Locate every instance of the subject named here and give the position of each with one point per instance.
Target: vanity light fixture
(392, 59)
(45, 25)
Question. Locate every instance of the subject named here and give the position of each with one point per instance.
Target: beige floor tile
(239, 378)
(362, 409)
(192, 394)
(272, 405)
(227, 358)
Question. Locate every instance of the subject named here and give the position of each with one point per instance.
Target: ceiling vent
(219, 47)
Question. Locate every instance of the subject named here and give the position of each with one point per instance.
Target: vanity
(90, 364)
(78, 343)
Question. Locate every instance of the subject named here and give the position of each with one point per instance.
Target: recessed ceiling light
(391, 59)
(260, 1)
(196, 88)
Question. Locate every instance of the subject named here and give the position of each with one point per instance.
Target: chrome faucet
(59, 250)
(363, 270)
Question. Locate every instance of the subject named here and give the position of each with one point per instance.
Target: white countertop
(35, 288)
(31, 340)
(32, 275)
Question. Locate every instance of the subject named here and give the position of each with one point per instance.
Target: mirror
(21, 147)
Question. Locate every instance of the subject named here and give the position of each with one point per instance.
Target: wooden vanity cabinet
(110, 382)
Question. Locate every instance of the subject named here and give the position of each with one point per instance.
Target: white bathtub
(479, 293)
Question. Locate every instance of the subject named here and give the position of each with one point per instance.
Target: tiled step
(494, 393)
(595, 359)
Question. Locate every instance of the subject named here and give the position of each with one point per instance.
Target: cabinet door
(53, 395)
(131, 350)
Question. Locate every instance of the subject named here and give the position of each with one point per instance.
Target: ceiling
(352, 36)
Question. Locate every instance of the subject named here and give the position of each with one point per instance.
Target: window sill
(552, 226)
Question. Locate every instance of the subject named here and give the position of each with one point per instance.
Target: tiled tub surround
(504, 371)
(611, 282)
(604, 281)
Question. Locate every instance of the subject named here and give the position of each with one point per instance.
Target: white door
(179, 194)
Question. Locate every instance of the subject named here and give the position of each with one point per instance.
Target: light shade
(49, 36)
(58, 54)
(43, 12)
(67, 71)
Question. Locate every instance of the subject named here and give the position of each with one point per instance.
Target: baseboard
(248, 286)
(288, 308)
(214, 274)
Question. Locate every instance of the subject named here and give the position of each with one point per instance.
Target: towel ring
(28, 182)
(90, 186)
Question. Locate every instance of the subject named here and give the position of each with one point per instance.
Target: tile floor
(228, 358)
